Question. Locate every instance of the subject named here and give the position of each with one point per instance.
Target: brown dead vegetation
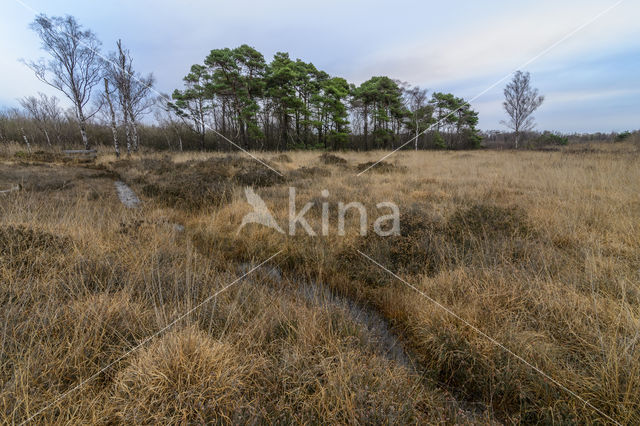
(378, 167)
(332, 159)
(537, 249)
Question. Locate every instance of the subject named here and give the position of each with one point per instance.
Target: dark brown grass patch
(282, 158)
(488, 221)
(29, 250)
(380, 167)
(259, 176)
(189, 194)
(308, 172)
(332, 159)
(53, 184)
(418, 249)
(39, 156)
(195, 185)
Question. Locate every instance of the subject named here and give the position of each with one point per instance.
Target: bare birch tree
(112, 116)
(52, 110)
(168, 120)
(75, 66)
(26, 139)
(417, 102)
(133, 92)
(44, 111)
(520, 102)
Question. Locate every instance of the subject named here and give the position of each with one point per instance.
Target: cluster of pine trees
(288, 104)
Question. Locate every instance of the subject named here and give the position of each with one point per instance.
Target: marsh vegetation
(539, 250)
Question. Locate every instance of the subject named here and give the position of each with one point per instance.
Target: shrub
(623, 136)
(39, 156)
(438, 141)
(258, 177)
(548, 138)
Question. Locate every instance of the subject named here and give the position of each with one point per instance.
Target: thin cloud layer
(460, 46)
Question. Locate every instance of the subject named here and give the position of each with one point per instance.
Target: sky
(583, 55)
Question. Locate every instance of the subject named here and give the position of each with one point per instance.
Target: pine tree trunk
(202, 125)
(224, 123)
(366, 128)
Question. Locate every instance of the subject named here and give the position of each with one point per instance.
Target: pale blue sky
(591, 81)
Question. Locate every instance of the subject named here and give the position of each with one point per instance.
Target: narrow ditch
(379, 333)
(380, 336)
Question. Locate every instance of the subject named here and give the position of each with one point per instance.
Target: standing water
(126, 195)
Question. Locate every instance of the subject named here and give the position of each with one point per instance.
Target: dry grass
(540, 250)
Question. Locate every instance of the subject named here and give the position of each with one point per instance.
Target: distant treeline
(531, 139)
(16, 126)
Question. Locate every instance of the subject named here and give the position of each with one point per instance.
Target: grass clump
(305, 172)
(26, 250)
(20, 240)
(282, 158)
(332, 159)
(39, 156)
(195, 185)
(186, 194)
(379, 167)
(488, 221)
(184, 377)
(486, 234)
(417, 249)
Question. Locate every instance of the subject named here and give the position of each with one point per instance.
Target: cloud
(573, 111)
(578, 96)
(504, 41)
